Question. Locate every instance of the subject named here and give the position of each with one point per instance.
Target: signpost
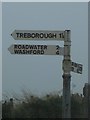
(38, 35)
(77, 68)
(36, 49)
(67, 64)
(66, 107)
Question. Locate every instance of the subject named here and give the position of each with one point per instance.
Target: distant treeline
(49, 106)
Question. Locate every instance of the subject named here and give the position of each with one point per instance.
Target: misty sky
(0, 51)
(43, 74)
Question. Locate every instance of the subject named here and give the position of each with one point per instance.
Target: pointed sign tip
(10, 49)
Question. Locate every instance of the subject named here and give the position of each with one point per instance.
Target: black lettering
(20, 52)
(35, 46)
(17, 34)
(57, 52)
(27, 46)
(28, 35)
(21, 35)
(19, 46)
(41, 35)
(34, 51)
(42, 51)
(22, 46)
(46, 35)
(27, 51)
(38, 46)
(31, 51)
(15, 46)
(72, 68)
(38, 52)
(25, 35)
(45, 46)
(54, 35)
(16, 51)
(37, 35)
(78, 71)
(23, 52)
(57, 47)
(75, 64)
(33, 35)
(80, 68)
(41, 46)
(31, 46)
(49, 35)
(72, 63)
(61, 35)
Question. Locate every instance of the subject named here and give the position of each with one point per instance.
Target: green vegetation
(49, 106)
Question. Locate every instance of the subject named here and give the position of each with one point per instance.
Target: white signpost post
(67, 65)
